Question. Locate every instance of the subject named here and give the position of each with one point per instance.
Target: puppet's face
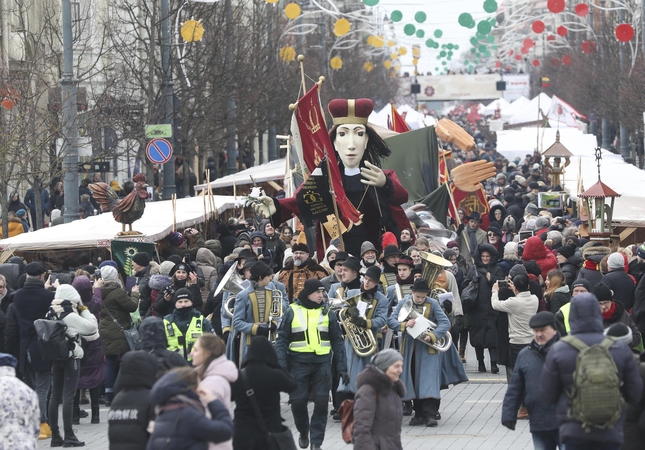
(350, 143)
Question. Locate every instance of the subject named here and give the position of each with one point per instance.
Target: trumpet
(407, 312)
(361, 339)
(231, 282)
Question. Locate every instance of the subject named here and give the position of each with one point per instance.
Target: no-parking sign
(159, 151)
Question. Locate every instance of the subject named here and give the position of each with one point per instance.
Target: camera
(170, 290)
(503, 284)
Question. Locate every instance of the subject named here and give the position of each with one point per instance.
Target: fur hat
(593, 252)
(300, 248)
(621, 331)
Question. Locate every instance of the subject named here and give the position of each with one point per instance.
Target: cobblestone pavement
(470, 419)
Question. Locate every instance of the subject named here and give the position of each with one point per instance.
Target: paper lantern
(466, 20)
(391, 43)
(550, 38)
(588, 47)
(538, 26)
(403, 51)
(394, 55)
(409, 29)
(438, 33)
(518, 57)
(562, 31)
(555, 6)
(528, 43)
(336, 63)
(582, 9)
(292, 11)
(368, 67)
(566, 60)
(484, 27)
(536, 63)
(342, 27)
(371, 3)
(396, 16)
(498, 64)
(420, 17)
(415, 61)
(429, 43)
(490, 6)
(416, 51)
(555, 61)
(624, 32)
(192, 31)
(287, 54)
(376, 41)
(387, 64)
(421, 33)
(524, 51)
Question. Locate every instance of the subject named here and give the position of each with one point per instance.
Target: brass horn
(231, 282)
(432, 267)
(361, 339)
(407, 312)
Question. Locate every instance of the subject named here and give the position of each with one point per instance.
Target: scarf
(369, 294)
(589, 264)
(409, 280)
(610, 312)
(180, 401)
(472, 235)
(354, 284)
(391, 269)
(180, 283)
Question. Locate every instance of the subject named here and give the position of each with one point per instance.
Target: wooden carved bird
(125, 210)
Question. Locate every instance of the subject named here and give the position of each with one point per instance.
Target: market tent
(270, 171)
(500, 103)
(515, 107)
(98, 231)
(529, 112)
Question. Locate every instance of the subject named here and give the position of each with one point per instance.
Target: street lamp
(557, 151)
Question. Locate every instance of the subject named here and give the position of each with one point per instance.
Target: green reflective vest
(177, 342)
(309, 331)
(566, 309)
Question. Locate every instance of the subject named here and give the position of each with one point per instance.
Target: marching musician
(306, 337)
(350, 278)
(373, 319)
(389, 259)
(227, 321)
(421, 363)
(404, 281)
(253, 308)
(335, 277)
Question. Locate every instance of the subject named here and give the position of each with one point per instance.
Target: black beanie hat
(567, 251)
(141, 258)
(312, 285)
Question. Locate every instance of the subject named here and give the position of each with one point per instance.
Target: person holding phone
(182, 276)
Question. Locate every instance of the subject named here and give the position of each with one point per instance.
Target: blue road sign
(159, 151)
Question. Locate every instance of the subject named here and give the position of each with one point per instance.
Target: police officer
(306, 337)
(185, 325)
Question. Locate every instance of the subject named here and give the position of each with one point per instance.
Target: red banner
(470, 202)
(397, 122)
(316, 145)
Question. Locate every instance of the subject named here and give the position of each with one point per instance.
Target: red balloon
(536, 62)
(562, 31)
(555, 61)
(550, 37)
(518, 57)
(555, 6)
(566, 60)
(508, 67)
(588, 47)
(498, 64)
(582, 9)
(528, 42)
(624, 32)
(538, 26)
(524, 50)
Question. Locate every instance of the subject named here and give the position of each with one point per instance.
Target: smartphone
(524, 235)
(187, 258)
(503, 284)
(52, 278)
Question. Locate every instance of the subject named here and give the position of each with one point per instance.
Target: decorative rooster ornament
(125, 210)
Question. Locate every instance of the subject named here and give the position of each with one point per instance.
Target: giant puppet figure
(377, 194)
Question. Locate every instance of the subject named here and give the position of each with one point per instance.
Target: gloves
(273, 326)
(265, 209)
(458, 321)
(352, 312)
(447, 306)
(344, 376)
(263, 331)
(509, 425)
(358, 321)
(225, 336)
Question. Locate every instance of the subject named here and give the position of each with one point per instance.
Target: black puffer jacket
(154, 341)
(622, 285)
(378, 411)
(131, 409)
(622, 316)
(571, 268)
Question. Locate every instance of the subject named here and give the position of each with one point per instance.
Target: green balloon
(429, 43)
(450, 46)
(490, 6)
(420, 33)
(409, 29)
(480, 36)
(484, 27)
(465, 19)
(490, 38)
(449, 57)
(442, 53)
(436, 69)
(456, 47)
(473, 40)
(473, 50)
(438, 33)
(443, 63)
(420, 17)
(435, 45)
(396, 16)
(371, 2)
(482, 48)
(487, 54)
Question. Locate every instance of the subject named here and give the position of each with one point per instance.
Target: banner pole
(333, 197)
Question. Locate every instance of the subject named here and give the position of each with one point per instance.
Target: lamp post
(231, 116)
(557, 151)
(624, 134)
(169, 187)
(69, 85)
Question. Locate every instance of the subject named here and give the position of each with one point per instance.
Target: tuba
(432, 267)
(231, 282)
(276, 303)
(407, 312)
(361, 339)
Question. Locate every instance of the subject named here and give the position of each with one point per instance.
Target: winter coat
(227, 240)
(19, 412)
(560, 297)
(622, 285)
(465, 244)
(534, 250)
(525, 386)
(571, 268)
(638, 312)
(185, 427)
(32, 302)
(277, 248)
(11, 337)
(218, 378)
(378, 411)
(120, 304)
(156, 284)
(155, 342)
(294, 277)
(267, 379)
(507, 264)
(482, 318)
(557, 375)
(635, 424)
(590, 269)
(519, 310)
(206, 260)
(15, 227)
(131, 410)
(78, 324)
(622, 316)
(143, 281)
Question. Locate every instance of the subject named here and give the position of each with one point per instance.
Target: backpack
(52, 340)
(346, 411)
(595, 400)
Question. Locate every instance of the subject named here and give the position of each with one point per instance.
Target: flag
(415, 159)
(311, 138)
(563, 113)
(444, 174)
(438, 202)
(397, 122)
(471, 202)
(123, 251)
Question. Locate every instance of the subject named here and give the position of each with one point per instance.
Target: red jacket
(534, 250)
(288, 207)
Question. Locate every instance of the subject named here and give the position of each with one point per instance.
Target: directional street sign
(159, 151)
(158, 131)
